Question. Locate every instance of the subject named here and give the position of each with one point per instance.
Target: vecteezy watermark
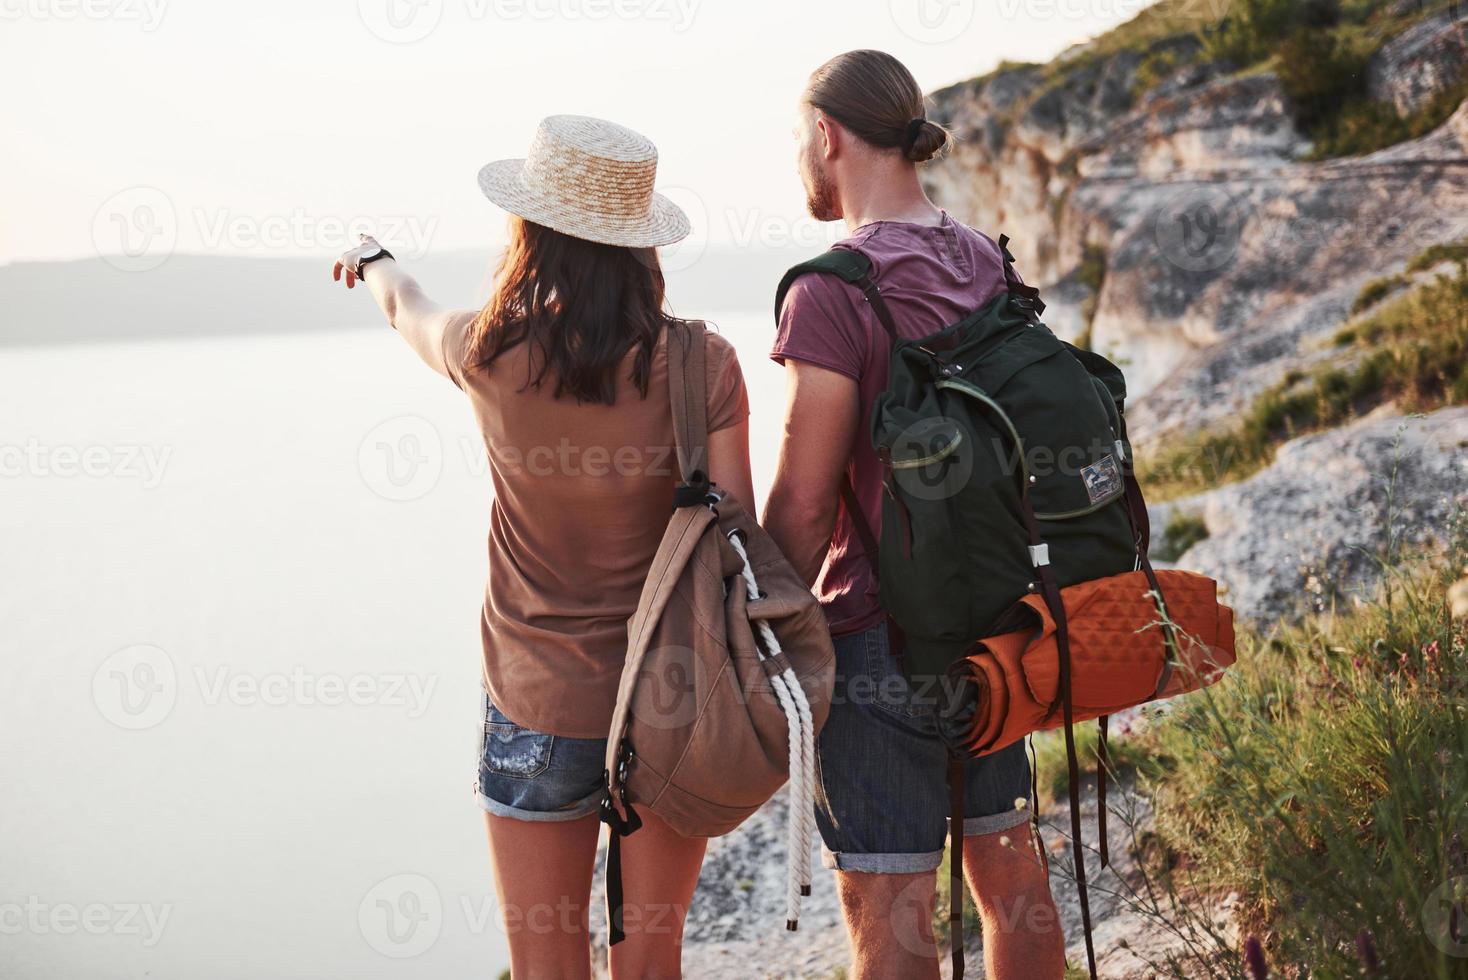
(1199, 229)
(136, 229)
(1445, 916)
(299, 686)
(400, 21)
(932, 21)
(404, 915)
(136, 687)
(147, 14)
(402, 458)
(407, 235)
(124, 461)
(40, 918)
(1044, 10)
(407, 21)
(401, 916)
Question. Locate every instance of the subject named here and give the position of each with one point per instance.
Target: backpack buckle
(1039, 555)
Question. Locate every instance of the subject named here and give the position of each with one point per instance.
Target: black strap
(1050, 591)
(1025, 297)
(618, 827)
(1103, 760)
(616, 904)
(955, 864)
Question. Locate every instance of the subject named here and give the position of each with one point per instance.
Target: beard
(820, 192)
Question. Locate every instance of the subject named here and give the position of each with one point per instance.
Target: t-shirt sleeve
(456, 343)
(820, 325)
(728, 400)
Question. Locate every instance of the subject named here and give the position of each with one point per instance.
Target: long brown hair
(580, 306)
(873, 94)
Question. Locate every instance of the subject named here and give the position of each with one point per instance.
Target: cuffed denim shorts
(528, 775)
(882, 801)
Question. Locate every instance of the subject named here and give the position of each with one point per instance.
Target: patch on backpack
(1103, 479)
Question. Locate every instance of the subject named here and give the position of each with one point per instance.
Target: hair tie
(913, 129)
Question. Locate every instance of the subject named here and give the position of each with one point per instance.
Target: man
(883, 793)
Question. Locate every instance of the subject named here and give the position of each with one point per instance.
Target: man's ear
(830, 136)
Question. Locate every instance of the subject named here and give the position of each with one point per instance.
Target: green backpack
(1006, 470)
(995, 438)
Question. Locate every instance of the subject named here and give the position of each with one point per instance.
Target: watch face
(374, 253)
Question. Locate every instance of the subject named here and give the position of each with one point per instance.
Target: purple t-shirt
(930, 278)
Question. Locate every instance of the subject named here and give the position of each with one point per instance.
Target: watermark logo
(932, 21)
(1199, 229)
(298, 686)
(39, 918)
(929, 459)
(401, 459)
(124, 461)
(400, 21)
(147, 14)
(1445, 916)
(136, 229)
(401, 916)
(682, 255)
(136, 687)
(668, 688)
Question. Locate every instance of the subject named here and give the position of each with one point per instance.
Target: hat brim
(664, 224)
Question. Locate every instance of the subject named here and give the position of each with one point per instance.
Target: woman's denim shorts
(528, 775)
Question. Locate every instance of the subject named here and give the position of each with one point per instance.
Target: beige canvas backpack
(729, 665)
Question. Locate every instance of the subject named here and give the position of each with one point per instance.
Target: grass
(1323, 781)
(1360, 125)
(1412, 350)
(1052, 775)
(1375, 291)
(1437, 254)
(1092, 275)
(1183, 530)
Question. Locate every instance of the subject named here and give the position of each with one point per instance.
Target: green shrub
(1323, 782)
(1360, 125)
(1436, 254)
(1183, 530)
(1092, 275)
(1250, 31)
(1375, 291)
(1320, 70)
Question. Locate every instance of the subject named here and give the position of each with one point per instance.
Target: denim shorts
(528, 775)
(882, 801)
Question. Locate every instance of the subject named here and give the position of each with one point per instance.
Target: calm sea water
(239, 658)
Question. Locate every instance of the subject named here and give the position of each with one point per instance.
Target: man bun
(928, 141)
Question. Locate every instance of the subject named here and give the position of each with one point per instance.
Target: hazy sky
(150, 126)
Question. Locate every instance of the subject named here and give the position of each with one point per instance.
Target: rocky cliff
(1178, 221)
(1216, 251)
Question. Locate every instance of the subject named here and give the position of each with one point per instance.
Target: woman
(566, 370)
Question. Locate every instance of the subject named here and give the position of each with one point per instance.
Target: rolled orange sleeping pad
(1119, 654)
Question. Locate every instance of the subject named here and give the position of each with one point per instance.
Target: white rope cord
(802, 755)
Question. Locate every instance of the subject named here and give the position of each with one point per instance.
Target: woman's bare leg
(659, 872)
(542, 874)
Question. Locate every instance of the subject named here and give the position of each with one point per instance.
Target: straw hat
(589, 178)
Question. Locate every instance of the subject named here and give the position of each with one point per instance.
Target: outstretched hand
(346, 265)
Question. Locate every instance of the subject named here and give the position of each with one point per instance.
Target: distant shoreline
(92, 300)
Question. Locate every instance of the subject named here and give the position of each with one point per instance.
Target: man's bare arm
(821, 415)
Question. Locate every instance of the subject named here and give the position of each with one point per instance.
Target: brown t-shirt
(582, 494)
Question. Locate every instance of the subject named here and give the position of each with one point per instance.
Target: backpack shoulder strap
(850, 266)
(688, 395)
(1025, 297)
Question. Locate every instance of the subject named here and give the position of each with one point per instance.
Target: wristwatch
(381, 253)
